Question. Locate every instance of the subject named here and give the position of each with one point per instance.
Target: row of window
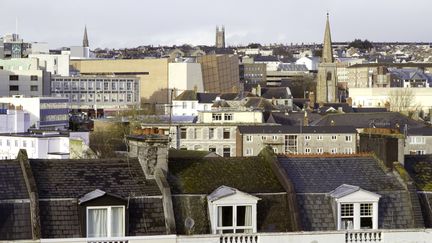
(17, 143)
(219, 116)
(94, 86)
(16, 78)
(196, 133)
(417, 140)
(226, 150)
(249, 138)
(64, 117)
(100, 97)
(16, 88)
(61, 105)
(249, 151)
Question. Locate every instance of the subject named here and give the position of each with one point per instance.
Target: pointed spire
(327, 51)
(85, 39)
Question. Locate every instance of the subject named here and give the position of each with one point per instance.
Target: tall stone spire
(327, 51)
(85, 39)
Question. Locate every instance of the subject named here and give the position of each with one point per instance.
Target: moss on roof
(203, 175)
(179, 154)
(423, 175)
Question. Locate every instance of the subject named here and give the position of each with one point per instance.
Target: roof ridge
(326, 155)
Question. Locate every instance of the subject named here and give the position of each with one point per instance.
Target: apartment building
(250, 140)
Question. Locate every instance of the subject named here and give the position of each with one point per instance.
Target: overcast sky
(130, 23)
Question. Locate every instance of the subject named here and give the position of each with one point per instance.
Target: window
(193, 105)
(263, 138)
(16, 143)
(13, 88)
(226, 152)
(307, 137)
(417, 140)
(232, 211)
(417, 152)
(275, 150)
(216, 116)
(307, 150)
(249, 151)
(33, 78)
(334, 137)
(33, 88)
(228, 117)
(234, 219)
(211, 133)
(226, 133)
(212, 149)
(24, 144)
(275, 137)
(320, 150)
(249, 138)
(333, 150)
(106, 221)
(366, 216)
(348, 150)
(13, 77)
(8, 143)
(183, 132)
(291, 144)
(319, 137)
(347, 216)
(197, 133)
(348, 138)
(184, 105)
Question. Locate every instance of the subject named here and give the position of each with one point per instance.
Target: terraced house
(156, 195)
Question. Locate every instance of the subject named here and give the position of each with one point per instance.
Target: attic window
(356, 208)
(232, 211)
(107, 221)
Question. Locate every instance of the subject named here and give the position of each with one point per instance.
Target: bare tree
(402, 100)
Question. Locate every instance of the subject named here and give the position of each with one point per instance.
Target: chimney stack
(152, 152)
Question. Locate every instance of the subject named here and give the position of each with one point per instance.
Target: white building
(185, 76)
(56, 64)
(14, 120)
(47, 145)
(190, 102)
(45, 112)
(311, 63)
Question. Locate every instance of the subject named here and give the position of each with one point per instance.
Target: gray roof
(292, 67)
(269, 129)
(220, 192)
(366, 120)
(276, 93)
(420, 131)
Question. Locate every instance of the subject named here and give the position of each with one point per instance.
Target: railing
(238, 239)
(374, 236)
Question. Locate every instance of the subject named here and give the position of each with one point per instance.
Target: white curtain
(97, 223)
(248, 218)
(117, 221)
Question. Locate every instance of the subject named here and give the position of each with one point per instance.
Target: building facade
(296, 140)
(220, 73)
(97, 92)
(220, 37)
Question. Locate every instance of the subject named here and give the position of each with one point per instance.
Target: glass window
(234, 219)
(183, 132)
(249, 138)
(105, 221)
(334, 137)
(226, 152)
(319, 137)
(211, 133)
(216, 116)
(348, 138)
(226, 133)
(347, 216)
(228, 116)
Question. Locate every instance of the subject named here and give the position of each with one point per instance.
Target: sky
(131, 23)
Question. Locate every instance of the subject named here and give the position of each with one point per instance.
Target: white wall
(55, 64)
(185, 76)
(15, 121)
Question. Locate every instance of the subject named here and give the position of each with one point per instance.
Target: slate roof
(75, 178)
(263, 129)
(206, 97)
(291, 119)
(187, 95)
(366, 120)
(315, 177)
(259, 103)
(12, 184)
(276, 92)
(292, 67)
(421, 131)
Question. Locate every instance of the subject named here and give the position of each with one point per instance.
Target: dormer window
(232, 211)
(356, 208)
(103, 214)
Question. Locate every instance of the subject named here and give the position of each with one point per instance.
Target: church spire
(85, 39)
(327, 51)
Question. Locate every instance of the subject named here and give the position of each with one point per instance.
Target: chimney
(152, 152)
(340, 109)
(258, 90)
(306, 119)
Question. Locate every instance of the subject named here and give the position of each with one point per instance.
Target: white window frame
(333, 151)
(234, 226)
(109, 210)
(333, 137)
(308, 150)
(320, 150)
(307, 137)
(320, 137)
(348, 150)
(249, 138)
(357, 217)
(249, 151)
(275, 150)
(348, 138)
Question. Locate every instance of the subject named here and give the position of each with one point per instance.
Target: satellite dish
(189, 223)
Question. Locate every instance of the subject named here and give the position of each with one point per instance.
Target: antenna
(16, 25)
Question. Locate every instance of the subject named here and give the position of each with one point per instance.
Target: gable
(359, 196)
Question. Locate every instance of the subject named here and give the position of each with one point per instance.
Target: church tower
(85, 39)
(220, 37)
(327, 81)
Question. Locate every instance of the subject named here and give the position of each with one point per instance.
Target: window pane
(347, 223)
(225, 214)
(366, 209)
(347, 210)
(97, 223)
(366, 223)
(117, 221)
(244, 216)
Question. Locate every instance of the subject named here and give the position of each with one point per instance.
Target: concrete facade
(55, 64)
(152, 73)
(185, 76)
(97, 92)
